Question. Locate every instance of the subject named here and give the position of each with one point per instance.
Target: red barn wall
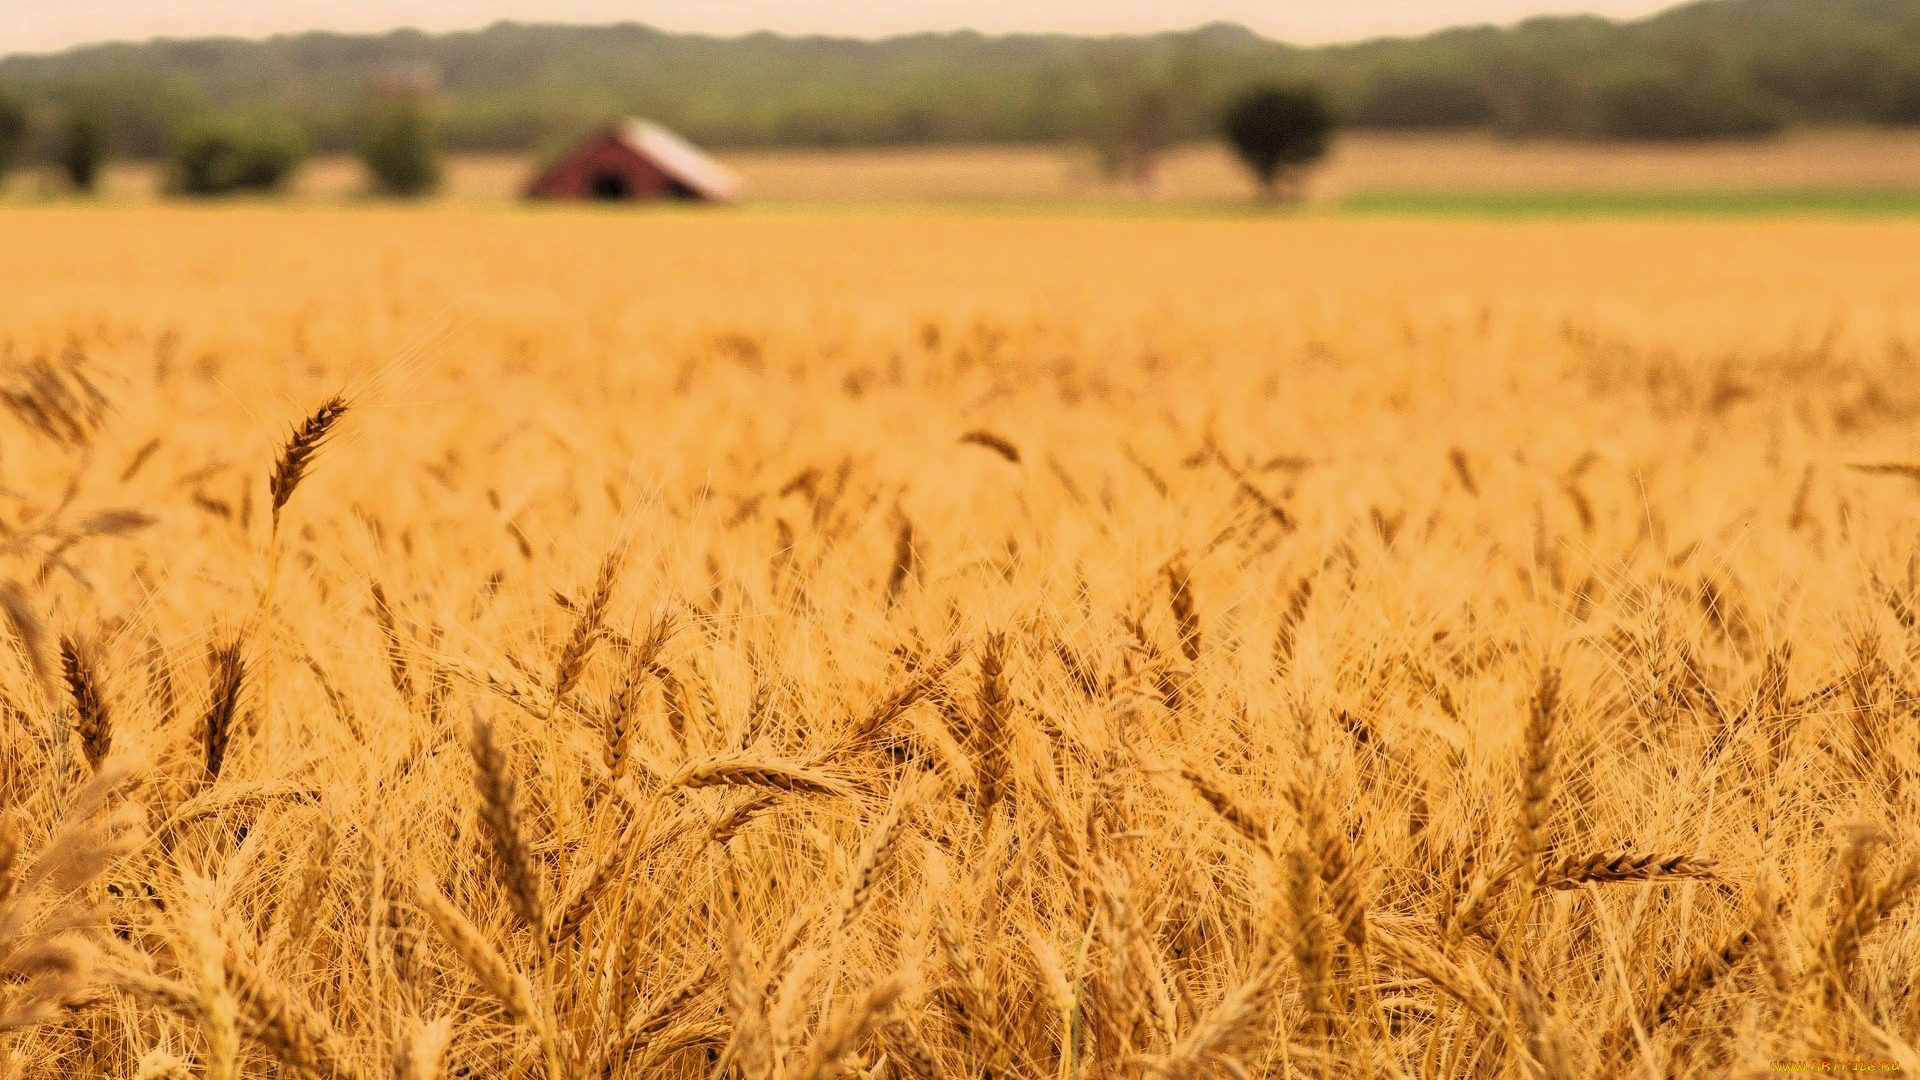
(573, 178)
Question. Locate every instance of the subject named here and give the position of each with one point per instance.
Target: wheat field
(571, 645)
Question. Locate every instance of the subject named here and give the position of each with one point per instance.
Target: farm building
(635, 160)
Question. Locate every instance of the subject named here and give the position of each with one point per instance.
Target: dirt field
(1361, 164)
(888, 646)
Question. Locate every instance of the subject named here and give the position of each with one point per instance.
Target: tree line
(244, 152)
(1715, 69)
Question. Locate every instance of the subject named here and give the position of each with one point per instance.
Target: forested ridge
(1716, 69)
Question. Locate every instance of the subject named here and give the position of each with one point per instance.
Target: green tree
(83, 149)
(1278, 131)
(401, 147)
(231, 154)
(13, 131)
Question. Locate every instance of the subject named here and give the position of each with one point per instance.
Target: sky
(38, 26)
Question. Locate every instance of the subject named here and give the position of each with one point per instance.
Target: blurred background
(1741, 102)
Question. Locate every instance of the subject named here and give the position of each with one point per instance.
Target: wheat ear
(588, 623)
(1610, 868)
(422, 1052)
(846, 1032)
(227, 674)
(511, 989)
(875, 855)
(291, 1029)
(296, 457)
(92, 720)
(1226, 806)
(752, 771)
(493, 777)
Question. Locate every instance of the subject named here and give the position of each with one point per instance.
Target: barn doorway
(609, 186)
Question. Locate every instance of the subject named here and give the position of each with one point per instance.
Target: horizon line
(958, 31)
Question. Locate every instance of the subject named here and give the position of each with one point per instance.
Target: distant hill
(1721, 68)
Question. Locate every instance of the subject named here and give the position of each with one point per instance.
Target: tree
(400, 147)
(13, 131)
(1278, 131)
(1138, 131)
(83, 149)
(231, 154)
(1145, 101)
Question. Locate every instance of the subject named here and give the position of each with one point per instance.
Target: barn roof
(679, 159)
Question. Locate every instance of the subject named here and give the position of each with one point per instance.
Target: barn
(635, 160)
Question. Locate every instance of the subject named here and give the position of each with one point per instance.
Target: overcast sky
(37, 25)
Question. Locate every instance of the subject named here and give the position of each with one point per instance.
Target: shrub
(229, 155)
(401, 148)
(1278, 131)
